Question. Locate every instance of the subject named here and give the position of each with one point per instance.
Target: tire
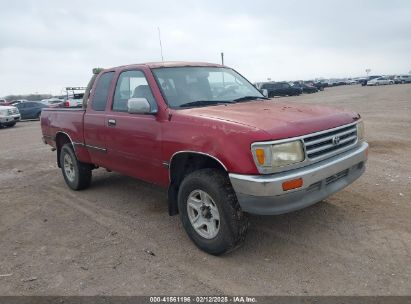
(76, 174)
(211, 189)
(10, 124)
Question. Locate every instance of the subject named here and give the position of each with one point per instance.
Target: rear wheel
(210, 212)
(76, 174)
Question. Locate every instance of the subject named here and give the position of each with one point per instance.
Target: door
(134, 140)
(23, 107)
(95, 127)
(32, 110)
(28, 109)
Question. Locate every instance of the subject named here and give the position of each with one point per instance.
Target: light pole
(161, 46)
(222, 63)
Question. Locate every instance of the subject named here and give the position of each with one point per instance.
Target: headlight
(360, 130)
(278, 155)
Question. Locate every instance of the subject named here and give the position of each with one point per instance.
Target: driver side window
(132, 84)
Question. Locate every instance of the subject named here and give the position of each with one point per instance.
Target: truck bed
(68, 121)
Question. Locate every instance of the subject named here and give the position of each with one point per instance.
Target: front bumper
(9, 119)
(263, 194)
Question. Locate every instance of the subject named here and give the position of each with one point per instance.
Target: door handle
(111, 122)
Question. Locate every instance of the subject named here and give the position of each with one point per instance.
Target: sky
(46, 45)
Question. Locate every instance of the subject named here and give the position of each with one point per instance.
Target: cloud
(46, 45)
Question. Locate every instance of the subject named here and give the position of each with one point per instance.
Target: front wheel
(10, 124)
(210, 212)
(76, 174)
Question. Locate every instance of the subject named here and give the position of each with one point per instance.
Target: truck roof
(169, 64)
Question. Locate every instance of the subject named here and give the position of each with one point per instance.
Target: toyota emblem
(336, 140)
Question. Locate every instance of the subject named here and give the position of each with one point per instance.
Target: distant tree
(28, 96)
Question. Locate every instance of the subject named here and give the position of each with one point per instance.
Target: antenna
(161, 47)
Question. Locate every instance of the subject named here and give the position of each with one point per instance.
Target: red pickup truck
(217, 143)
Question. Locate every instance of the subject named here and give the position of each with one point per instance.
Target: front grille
(12, 111)
(330, 142)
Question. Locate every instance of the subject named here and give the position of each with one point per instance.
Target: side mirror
(264, 92)
(138, 106)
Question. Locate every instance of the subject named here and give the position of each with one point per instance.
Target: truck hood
(7, 108)
(278, 119)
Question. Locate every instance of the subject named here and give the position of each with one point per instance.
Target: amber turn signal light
(292, 184)
(259, 153)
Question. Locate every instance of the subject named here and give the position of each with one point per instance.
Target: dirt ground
(358, 242)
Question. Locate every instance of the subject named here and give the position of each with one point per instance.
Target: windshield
(203, 86)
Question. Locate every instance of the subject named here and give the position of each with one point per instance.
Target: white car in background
(404, 78)
(379, 81)
(9, 116)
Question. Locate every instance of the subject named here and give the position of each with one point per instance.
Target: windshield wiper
(247, 98)
(204, 103)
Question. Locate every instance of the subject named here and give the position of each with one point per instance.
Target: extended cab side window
(132, 84)
(101, 92)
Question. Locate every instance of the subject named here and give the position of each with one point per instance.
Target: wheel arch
(183, 163)
(62, 138)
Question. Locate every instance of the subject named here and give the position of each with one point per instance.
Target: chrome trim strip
(96, 148)
(90, 147)
(71, 141)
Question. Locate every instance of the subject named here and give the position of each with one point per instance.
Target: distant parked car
(74, 97)
(341, 82)
(280, 89)
(332, 83)
(351, 81)
(31, 109)
(54, 102)
(404, 78)
(379, 81)
(14, 102)
(364, 81)
(319, 85)
(4, 102)
(305, 88)
(397, 79)
(9, 116)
